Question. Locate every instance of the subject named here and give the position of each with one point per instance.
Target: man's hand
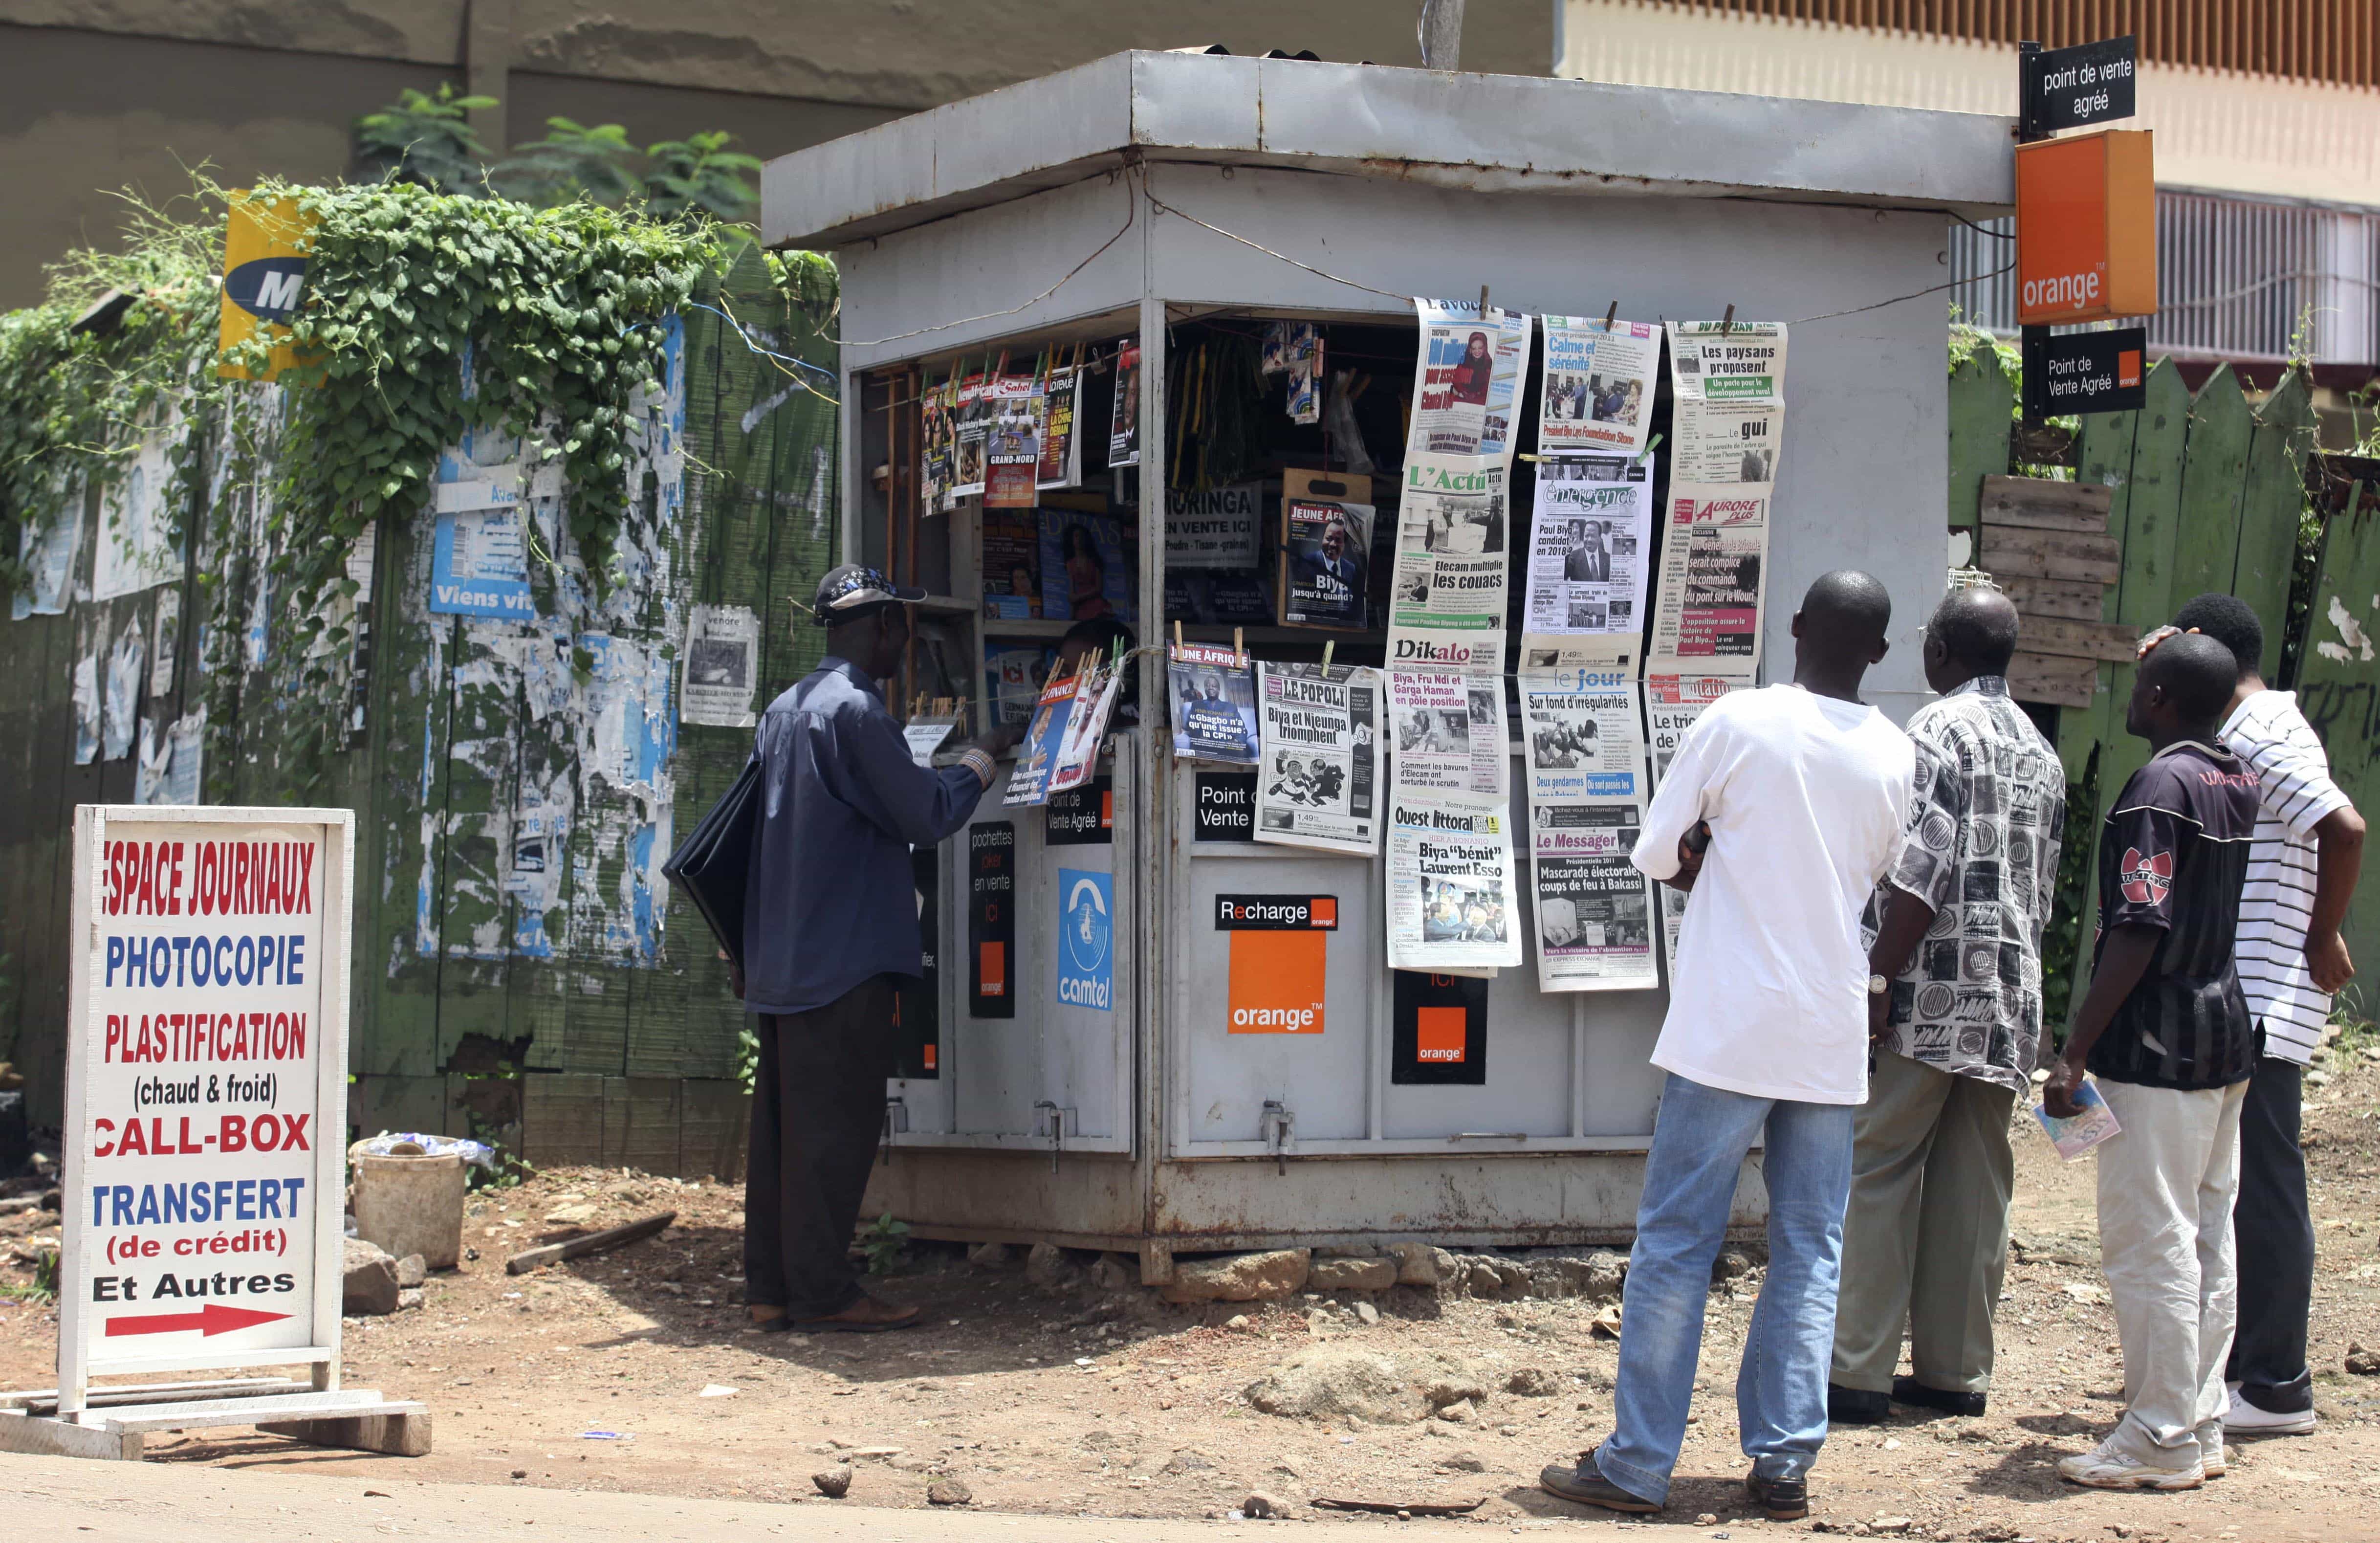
(997, 742)
(2327, 959)
(2058, 1093)
(1690, 856)
(2147, 645)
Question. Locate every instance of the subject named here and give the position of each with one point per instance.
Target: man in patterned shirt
(1955, 1011)
(2301, 873)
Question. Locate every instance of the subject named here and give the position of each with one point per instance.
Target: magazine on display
(1586, 756)
(1013, 445)
(1585, 600)
(1452, 903)
(938, 455)
(1123, 423)
(1086, 726)
(970, 436)
(1214, 703)
(1673, 703)
(1326, 536)
(1320, 782)
(1012, 564)
(1449, 734)
(1446, 598)
(1086, 571)
(1037, 754)
(1061, 448)
(1599, 388)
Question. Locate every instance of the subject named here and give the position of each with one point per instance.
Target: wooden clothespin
(1328, 644)
(1610, 315)
(1239, 647)
(1177, 637)
(1727, 322)
(1482, 302)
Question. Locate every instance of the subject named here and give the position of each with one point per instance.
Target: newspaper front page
(1599, 391)
(1728, 383)
(1587, 793)
(1585, 602)
(1515, 331)
(1449, 732)
(1455, 378)
(1319, 784)
(1672, 704)
(1446, 599)
(1451, 902)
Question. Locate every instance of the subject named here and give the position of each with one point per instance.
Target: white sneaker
(2244, 1418)
(2103, 1467)
(2211, 1459)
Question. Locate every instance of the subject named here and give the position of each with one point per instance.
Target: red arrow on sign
(211, 1319)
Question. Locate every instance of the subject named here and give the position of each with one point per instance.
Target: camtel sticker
(1281, 957)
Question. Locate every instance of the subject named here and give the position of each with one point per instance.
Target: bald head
(1975, 631)
(1838, 632)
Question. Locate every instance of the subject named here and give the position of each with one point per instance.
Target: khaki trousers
(1925, 1236)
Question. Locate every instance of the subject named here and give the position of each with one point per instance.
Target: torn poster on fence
(1598, 391)
(723, 661)
(1452, 903)
(479, 565)
(1587, 792)
(138, 545)
(1673, 705)
(1446, 601)
(1450, 735)
(167, 644)
(120, 708)
(1585, 601)
(47, 543)
(1319, 783)
(86, 704)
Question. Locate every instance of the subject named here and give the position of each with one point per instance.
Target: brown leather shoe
(867, 1316)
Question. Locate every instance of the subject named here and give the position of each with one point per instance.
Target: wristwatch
(1877, 985)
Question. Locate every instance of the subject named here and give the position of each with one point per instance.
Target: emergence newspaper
(1729, 382)
(1673, 703)
(1585, 602)
(1449, 732)
(1587, 793)
(1455, 378)
(1320, 785)
(1446, 599)
(1599, 391)
(1452, 903)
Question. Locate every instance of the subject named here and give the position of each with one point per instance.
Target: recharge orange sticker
(1277, 981)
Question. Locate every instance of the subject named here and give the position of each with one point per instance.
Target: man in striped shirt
(2302, 872)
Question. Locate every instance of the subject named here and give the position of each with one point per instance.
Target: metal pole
(1440, 30)
(2030, 340)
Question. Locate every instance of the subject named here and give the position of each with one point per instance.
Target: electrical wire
(1912, 294)
(1161, 207)
(780, 360)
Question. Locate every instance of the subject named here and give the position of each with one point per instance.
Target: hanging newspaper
(1455, 377)
(1673, 703)
(1214, 704)
(1124, 421)
(1598, 391)
(1326, 539)
(1728, 381)
(1451, 902)
(1037, 756)
(938, 446)
(1012, 447)
(1586, 562)
(1449, 732)
(970, 431)
(1061, 448)
(1587, 793)
(1319, 784)
(1086, 726)
(1446, 599)
(1515, 331)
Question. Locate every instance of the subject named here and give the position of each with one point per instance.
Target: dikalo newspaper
(1449, 729)
(1598, 389)
(1729, 382)
(1673, 703)
(1455, 377)
(1587, 571)
(1587, 791)
(1319, 782)
(1451, 904)
(1446, 599)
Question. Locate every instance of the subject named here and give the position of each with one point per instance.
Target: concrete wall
(108, 93)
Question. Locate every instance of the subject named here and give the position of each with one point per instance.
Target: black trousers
(817, 1110)
(2275, 1233)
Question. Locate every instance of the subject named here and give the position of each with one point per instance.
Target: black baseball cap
(853, 590)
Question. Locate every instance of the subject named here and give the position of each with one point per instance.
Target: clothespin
(1727, 322)
(1177, 637)
(1239, 647)
(1327, 645)
(1647, 454)
(1608, 315)
(1482, 302)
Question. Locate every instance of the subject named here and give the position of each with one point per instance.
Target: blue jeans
(1699, 1144)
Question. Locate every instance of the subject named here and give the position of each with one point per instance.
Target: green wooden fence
(2206, 494)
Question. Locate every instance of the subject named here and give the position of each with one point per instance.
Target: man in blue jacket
(830, 917)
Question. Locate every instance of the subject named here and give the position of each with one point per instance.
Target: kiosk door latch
(1276, 1128)
(1053, 1120)
(896, 1122)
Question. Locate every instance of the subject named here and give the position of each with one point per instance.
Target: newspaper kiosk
(1076, 1075)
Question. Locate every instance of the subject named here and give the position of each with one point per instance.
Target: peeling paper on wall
(2352, 635)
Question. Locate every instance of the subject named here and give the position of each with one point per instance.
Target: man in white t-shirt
(1781, 811)
(2302, 863)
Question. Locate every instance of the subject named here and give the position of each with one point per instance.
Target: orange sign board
(1277, 981)
(2086, 228)
(1441, 1034)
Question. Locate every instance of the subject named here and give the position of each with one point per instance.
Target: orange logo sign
(1277, 981)
(2086, 228)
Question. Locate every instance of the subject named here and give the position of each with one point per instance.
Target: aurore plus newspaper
(1728, 383)
(1319, 782)
(1672, 704)
(1598, 391)
(1446, 598)
(1584, 605)
(1585, 752)
(1451, 902)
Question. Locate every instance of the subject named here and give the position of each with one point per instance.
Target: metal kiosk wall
(1132, 195)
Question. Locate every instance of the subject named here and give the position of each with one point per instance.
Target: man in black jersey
(2166, 1031)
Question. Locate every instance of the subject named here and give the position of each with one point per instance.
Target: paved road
(63, 1500)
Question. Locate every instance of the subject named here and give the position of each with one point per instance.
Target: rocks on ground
(1267, 1276)
(833, 1483)
(949, 1491)
(1334, 1382)
(369, 1286)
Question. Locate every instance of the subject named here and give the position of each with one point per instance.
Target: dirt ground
(632, 1372)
